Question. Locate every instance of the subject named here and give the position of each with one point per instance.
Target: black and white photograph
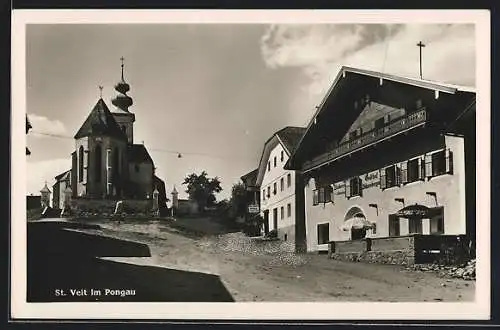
(242, 164)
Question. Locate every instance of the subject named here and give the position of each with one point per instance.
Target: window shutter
(321, 195)
(330, 193)
(421, 169)
(449, 161)
(348, 188)
(383, 183)
(428, 166)
(397, 175)
(404, 172)
(360, 186)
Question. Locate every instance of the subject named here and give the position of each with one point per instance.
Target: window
(80, 164)
(282, 213)
(289, 210)
(274, 188)
(415, 226)
(353, 187)
(324, 194)
(98, 163)
(439, 163)
(413, 171)
(282, 155)
(282, 184)
(124, 129)
(268, 166)
(136, 168)
(379, 123)
(264, 194)
(274, 161)
(315, 197)
(437, 222)
(323, 233)
(393, 225)
(437, 225)
(390, 177)
(268, 192)
(288, 180)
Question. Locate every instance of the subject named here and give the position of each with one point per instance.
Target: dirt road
(252, 274)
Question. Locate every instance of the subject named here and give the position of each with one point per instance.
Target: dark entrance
(275, 219)
(358, 233)
(266, 221)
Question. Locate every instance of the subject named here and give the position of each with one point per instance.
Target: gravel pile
(465, 271)
(281, 252)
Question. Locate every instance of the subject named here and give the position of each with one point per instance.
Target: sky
(214, 93)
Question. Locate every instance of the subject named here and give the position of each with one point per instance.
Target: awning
(414, 211)
(357, 222)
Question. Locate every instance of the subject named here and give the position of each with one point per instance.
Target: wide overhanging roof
(345, 70)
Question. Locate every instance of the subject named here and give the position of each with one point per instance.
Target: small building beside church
(380, 160)
(106, 164)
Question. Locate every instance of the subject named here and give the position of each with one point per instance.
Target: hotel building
(387, 156)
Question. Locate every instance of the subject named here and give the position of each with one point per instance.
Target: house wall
(286, 225)
(449, 189)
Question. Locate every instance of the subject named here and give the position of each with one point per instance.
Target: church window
(98, 163)
(80, 164)
(116, 161)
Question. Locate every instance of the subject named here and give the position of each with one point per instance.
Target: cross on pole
(100, 90)
(420, 46)
(122, 59)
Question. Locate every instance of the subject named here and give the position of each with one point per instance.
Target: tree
(239, 199)
(202, 189)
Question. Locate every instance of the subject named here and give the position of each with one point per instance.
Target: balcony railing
(392, 128)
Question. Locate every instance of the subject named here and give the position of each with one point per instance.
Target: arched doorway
(355, 222)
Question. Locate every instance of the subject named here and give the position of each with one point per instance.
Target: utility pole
(420, 46)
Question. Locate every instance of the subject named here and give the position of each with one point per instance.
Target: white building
(282, 193)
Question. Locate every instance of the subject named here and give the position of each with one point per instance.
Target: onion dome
(122, 101)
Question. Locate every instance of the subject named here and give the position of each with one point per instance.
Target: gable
(372, 114)
(100, 122)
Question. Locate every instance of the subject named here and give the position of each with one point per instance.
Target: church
(106, 163)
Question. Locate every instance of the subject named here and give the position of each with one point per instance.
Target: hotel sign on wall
(371, 179)
(368, 180)
(253, 209)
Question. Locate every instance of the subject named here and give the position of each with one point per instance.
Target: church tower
(123, 117)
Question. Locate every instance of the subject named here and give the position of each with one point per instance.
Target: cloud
(43, 126)
(321, 50)
(40, 171)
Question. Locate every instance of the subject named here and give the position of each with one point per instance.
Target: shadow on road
(64, 265)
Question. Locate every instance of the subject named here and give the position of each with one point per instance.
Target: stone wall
(82, 206)
(405, 257)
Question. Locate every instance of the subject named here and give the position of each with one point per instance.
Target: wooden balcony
(371, 137)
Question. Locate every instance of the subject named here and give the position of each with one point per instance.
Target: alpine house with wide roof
(388, 156)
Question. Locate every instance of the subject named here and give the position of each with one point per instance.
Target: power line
(180, 154)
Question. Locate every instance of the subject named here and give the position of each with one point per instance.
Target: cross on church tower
(122, 59)
(100, 91)
(420, 45)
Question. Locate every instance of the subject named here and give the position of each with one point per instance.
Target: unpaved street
(251, 273)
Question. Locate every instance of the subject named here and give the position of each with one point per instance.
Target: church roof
(62, 176)
(137, 153)
(100, 122)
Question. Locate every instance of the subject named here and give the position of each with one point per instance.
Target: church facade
(106, 163)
